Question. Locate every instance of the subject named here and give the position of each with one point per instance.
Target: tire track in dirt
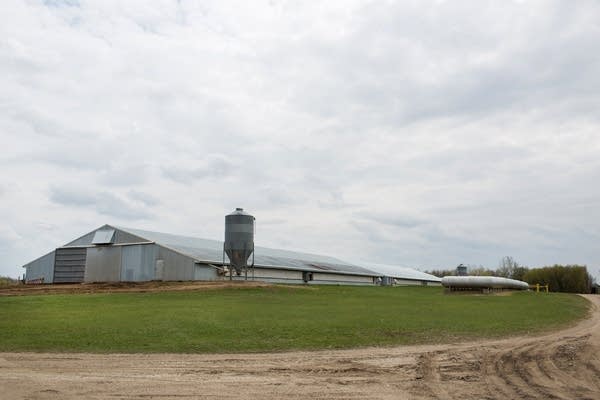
(558, 365)
(555, 366)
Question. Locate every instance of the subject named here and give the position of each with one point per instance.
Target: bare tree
(509, 268)
(479, 270)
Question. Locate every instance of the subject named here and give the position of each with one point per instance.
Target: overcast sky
(415, 133)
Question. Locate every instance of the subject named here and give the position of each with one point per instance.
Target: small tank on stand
(239, 242)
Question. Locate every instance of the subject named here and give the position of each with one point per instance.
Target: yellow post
(546, 288)
(537, 287)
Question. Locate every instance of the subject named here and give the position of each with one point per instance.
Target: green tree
(561, 278)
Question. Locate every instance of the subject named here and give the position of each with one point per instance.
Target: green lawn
(272, 318)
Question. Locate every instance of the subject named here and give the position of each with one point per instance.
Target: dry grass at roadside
(6, 282)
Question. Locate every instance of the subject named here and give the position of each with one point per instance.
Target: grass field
(272, 319)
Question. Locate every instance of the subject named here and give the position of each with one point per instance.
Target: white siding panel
(402, 282)
(276, 273)
(335, 278)
(290, 276)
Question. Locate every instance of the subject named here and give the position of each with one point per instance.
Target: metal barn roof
(399, 272)
(211, 251)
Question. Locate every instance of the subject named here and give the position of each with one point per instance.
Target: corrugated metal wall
(103, 264)
(42, 268)
(138, 262)
(203, 272)
(177, 267)
(69, 265)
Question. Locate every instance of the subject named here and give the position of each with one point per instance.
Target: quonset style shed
(113, 254)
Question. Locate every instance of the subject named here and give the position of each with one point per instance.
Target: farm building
(397, 275)
(113, 254)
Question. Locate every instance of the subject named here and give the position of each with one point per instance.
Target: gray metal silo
(239, 240)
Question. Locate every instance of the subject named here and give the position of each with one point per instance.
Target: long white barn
(113, 254)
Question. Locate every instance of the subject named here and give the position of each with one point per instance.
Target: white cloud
(427, 134)
(131, 207)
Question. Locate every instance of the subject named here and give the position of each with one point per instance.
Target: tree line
(559, 278)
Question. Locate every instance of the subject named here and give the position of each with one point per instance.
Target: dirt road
(560, 365)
